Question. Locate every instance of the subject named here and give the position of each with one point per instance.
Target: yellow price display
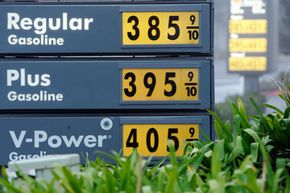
(168, 84)
(248, 26)
(248, 45)
(160, 28)
(154, 139)
(248, 64)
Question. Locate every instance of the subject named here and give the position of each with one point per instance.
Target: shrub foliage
(250, 155)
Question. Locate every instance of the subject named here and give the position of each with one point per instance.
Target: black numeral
(190, 76)
(170, 82)
(192, 19)
(171, 136)
(153, 28)
(191, 91)
(193, 35)
(175, 26)
(132, 92)
(191, 131)
(152, 147)
(150, 85)
(132, 139)
(136, 34)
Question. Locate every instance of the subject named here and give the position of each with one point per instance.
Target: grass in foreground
(250, 155)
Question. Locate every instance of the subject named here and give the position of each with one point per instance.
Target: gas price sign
(147, 66)
(158, 28)
(106, 28)
(148, 139)
(106, 84)
(40, 136)
(160, 84)
(248, 36)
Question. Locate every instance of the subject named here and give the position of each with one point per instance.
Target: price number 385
(161, 28)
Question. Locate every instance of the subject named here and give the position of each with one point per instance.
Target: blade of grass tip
(251, 186)
(38, 186)
(242, 109)
(256, 106)
(4, 173)
(286, 99)
(125, 174)
(264, 151)
(219, 121)
(221, 149)
(228, 131)
(263, 177)
(254, 151)
(72, 181)
(111, 156)
(274, 108)
(238, 150)
(276, 180)
(282, 163)
(10, 187)
(237, 126)
(245, 163)
(196, 181)
(286, 113)
(262, 117)
(256, 137)
(236, 111)
(50, 186)
(187, 149)
(110, 181)
(204, 136)
(139, 175)
(216, 166)
(172, 153)
(219, 130)
(197, 162)
(66, 184)
(287, 185)
(160, 182)
(184, 185)
(172, 179)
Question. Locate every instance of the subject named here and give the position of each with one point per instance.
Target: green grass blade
(254, 151)
(274, 183)
(216, 166)
(242, 110)
(4, 173)
(236, 111)
(274, 108)
(10, 187)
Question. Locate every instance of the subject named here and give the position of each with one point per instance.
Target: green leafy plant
(250, 155)
(225, 113)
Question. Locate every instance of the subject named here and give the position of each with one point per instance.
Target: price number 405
(153, 145)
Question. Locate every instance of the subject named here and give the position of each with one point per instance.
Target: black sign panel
(26, 137)
(106, 84)
(66, 29)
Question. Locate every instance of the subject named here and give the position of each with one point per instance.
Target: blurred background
(252, 51)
